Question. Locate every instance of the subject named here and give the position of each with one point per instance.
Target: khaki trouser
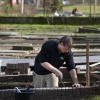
(49, 80)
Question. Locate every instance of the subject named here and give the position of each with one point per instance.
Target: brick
(47, 97)
(51, 91)
(44, 92)
(38, 91)
(70, 95)
(11, 93)
(37, 97)
(76, 93)
(63, 97)
(2, 93)
(56, 92)
(6, 93)
(1, 98)
(88, 92)
(8, 98)
(64, 91)
(58, 98)
(82, 91)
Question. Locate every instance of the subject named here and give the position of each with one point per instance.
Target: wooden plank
(82, 59)
(78, 45)
(83, 44)
(30, 56)
(31, 60)
(37, 41)
(95, 75)
(8, 34)
(87, 66)
(7, 57)
(30, 37)
(16, 44)
(88, 30)
(12, 54)
(22, 48)
(82, 52)
(16, 55)
(16, 41)
(95, 64)
(95, 68)
(16, 78)
(14, 51)
(84, 72)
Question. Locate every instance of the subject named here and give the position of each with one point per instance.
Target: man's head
(76, 9)
(65, 44)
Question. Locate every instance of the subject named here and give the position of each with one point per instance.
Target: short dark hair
(66, 40)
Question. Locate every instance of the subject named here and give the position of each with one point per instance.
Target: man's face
(63, 48)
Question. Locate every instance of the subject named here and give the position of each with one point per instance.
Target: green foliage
(57, 5)
(97, 97)
(6, 7)
(40, 29)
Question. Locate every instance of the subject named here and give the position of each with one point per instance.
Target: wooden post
(87, 66)
(95, 3)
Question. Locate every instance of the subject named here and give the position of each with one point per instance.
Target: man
(74, 11)
(56, 14)
(52, 56)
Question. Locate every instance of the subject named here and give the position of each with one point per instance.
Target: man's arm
(73, 75)
(52, 69)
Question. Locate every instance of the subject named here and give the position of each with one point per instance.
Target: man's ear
(62, 44)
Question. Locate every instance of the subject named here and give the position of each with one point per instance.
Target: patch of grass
(43, 29)
(97, 97)
(83, 8)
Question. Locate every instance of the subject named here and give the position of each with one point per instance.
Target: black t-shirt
(49, 53)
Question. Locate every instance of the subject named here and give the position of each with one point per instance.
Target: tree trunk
(38, 4)
(35, 2)
(10, 3)
(17, 1)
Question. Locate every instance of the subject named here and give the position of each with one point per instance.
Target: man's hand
(54, 70)
(59, 74)
(76, 85)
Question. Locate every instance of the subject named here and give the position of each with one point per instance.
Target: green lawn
(83, 8)
(43, 29)
(94, 98)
